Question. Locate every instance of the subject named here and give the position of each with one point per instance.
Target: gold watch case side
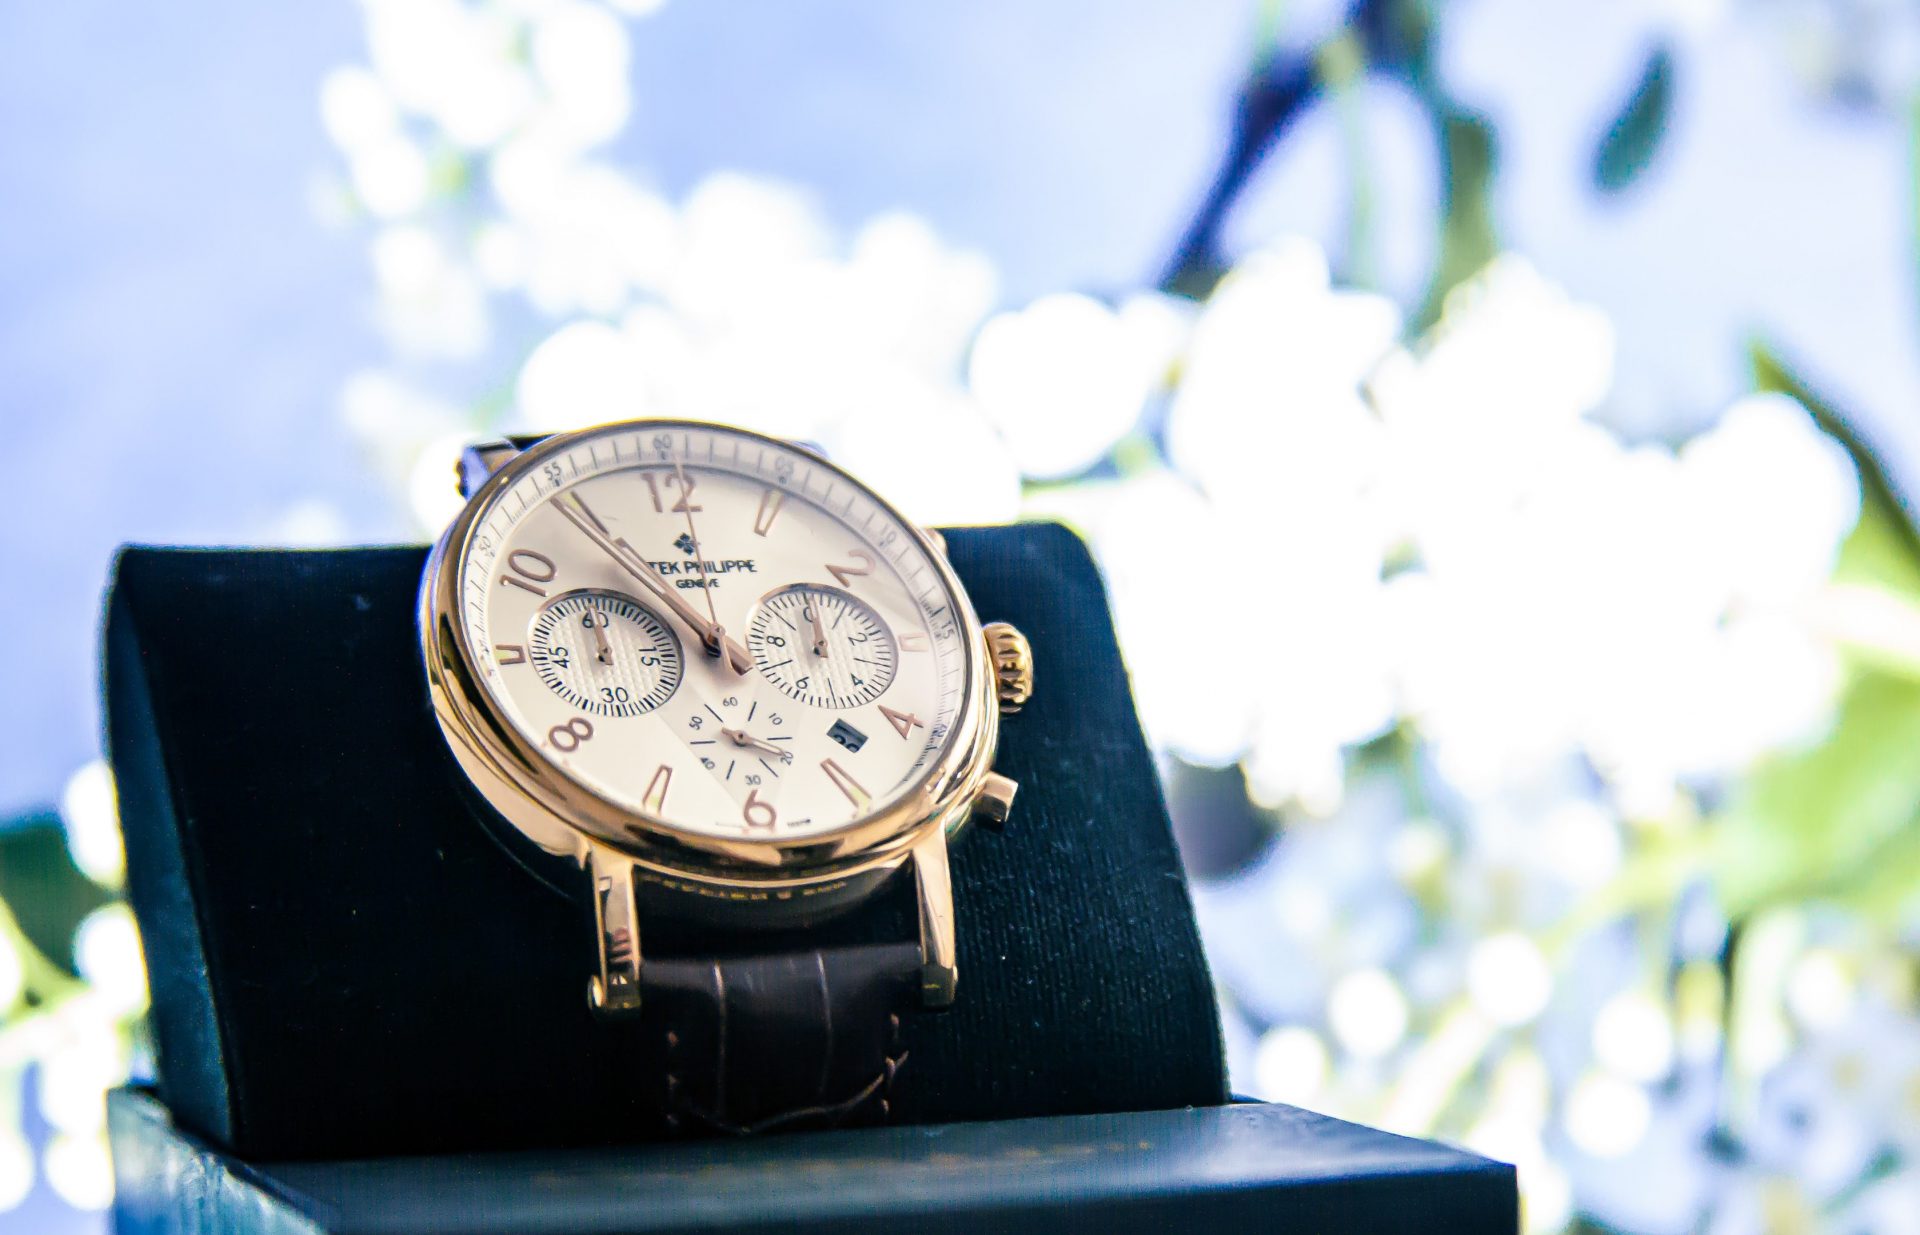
(634, 860)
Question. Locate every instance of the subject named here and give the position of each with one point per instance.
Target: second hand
(699, 553)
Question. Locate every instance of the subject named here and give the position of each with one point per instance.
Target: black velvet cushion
(346, 963)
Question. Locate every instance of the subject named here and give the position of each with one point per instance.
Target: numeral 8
(568, 737)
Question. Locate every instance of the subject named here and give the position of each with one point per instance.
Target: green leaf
(1467, 235)
(1839, 822)
(1882, 889)
(47, 894)
(1813, 824)
(1884, 548)
(1634, 136)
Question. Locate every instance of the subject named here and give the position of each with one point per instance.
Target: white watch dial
(596, 587)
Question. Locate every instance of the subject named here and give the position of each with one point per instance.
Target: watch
(739, 698)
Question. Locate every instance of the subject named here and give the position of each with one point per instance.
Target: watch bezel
(564, 816)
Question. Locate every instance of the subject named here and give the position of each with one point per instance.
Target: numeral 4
(903, 722)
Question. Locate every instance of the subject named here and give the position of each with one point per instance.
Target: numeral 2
(843, 573)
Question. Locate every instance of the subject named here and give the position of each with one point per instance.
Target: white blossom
(1064, 378)
(1573, 633)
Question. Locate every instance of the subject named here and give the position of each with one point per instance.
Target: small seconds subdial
(822, 646)
(604, 653)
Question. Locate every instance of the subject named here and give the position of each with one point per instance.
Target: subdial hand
(740, 737)
(717, 642)
(819, 631)
(602, 650)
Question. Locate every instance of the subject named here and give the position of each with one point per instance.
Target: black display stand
(1216, 1168)
(346, 966)
(345, 962)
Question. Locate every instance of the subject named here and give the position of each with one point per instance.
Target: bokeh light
(1572, 809)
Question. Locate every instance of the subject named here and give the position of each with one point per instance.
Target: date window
(847, 736)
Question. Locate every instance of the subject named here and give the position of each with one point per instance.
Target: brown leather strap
(800, 1039)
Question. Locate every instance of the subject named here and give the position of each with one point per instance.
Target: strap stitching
(895, 1057)
(674, 1101)
(833, 1113)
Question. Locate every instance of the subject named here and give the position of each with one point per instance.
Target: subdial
(744, 741)
(822, 646)
(604, 653)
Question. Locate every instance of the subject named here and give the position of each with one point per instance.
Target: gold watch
(739, 690)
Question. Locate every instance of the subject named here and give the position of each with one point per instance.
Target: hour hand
(710, 633)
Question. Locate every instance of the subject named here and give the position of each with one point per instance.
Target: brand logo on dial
(689, 574)
(692, 572)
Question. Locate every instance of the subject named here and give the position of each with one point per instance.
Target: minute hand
(710, 633)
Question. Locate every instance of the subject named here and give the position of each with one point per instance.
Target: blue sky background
(175, 322)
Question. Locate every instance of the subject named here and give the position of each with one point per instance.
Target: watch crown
(1012, 665)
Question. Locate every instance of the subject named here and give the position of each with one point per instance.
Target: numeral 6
(758, 814)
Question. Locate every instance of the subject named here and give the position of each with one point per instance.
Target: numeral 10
(527, 570)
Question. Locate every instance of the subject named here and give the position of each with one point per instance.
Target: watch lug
(938, 974)
(935, 539)
(481, 460)
(616, 989)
